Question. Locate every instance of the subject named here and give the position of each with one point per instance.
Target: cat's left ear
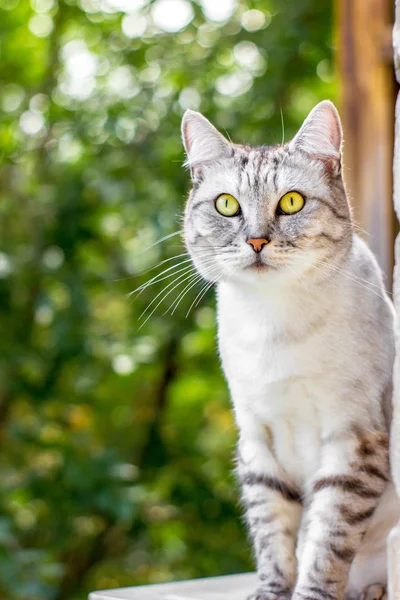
(320, 136)
(203, 143)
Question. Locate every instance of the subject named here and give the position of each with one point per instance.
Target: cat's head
(259, 212)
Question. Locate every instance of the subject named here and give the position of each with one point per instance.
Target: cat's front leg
(273, 512)
(344, 495)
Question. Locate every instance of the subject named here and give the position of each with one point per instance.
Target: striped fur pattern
(306, 340)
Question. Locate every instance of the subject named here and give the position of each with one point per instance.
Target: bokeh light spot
(125, 129)
(42, 6)
(123, 364)
(253, 20)
(189, 98)
(12, 97)
(234, 85)
(53, 257)
(44, 315)
(8, 4)
(78, 79)
(122, 82)
(5, 265)
(218, 10)
(133, 26)
(31, 123)
(248, 55)
(324, 71)
(41, 25)
(172, 15)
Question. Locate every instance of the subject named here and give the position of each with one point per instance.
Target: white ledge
(232, 587)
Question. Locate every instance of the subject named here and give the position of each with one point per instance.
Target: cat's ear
(203, 143)
(320, 135)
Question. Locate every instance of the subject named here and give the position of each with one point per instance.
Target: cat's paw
(376, 591)
(265, 594)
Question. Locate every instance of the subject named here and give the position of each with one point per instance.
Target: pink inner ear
(185, 131)
(334, 130)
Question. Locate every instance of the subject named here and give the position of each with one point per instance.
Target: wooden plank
(231, 587)
(367, 106)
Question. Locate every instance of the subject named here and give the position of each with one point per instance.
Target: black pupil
(226, 203)
(291, 200)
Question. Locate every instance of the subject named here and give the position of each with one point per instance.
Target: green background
(117, 442)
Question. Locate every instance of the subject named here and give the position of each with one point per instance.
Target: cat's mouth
(259, 265)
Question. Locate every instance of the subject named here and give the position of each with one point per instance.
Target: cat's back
(370, 309)
(363, 265)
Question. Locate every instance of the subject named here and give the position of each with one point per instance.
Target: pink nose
(257, 244)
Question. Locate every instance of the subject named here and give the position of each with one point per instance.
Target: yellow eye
(227, 205)
(291, 203)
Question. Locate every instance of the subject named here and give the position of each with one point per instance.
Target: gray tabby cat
(306, 340)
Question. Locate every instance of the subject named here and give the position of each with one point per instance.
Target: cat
(306, 340)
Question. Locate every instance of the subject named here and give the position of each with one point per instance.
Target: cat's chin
(259, 267)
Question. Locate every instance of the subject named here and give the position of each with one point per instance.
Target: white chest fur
(291, 365)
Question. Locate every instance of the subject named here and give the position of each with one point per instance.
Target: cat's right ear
(321, 135)
(203, 143)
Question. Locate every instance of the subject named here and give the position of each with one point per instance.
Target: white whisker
(147, 270)
(194, 281)
(180, 279)
(351, 277)
(166, 237)
(187, 288)
(202, 293)
(158, 277)
(354, 277)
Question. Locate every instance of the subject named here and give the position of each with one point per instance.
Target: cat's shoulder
(364, 262)
(371, 280)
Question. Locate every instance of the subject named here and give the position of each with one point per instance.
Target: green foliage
(117, 442)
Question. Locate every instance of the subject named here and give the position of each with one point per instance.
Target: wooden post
(365, 60)
(394, 538)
